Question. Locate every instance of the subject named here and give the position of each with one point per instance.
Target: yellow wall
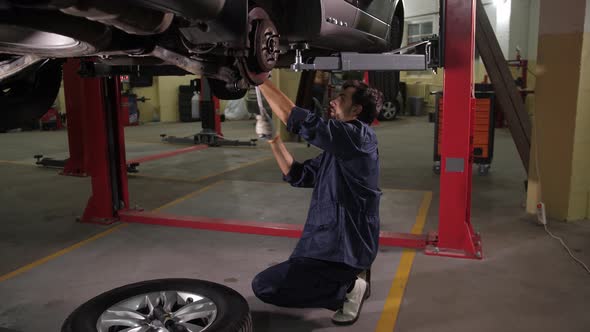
(168, 95)
(579, 205)
(561, 115)
(288, 82)
(420, 84)
(149, 111)
(61, 99)
(555, 117)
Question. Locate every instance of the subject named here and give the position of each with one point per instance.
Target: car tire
(388, 84)
(25, 97)
(233, 313)
(220, 90)
(396, 33)
(389, 111)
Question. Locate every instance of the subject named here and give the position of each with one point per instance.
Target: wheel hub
(159, 311)
(264, 47)
(389, 110)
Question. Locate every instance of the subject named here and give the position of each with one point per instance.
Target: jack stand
(211, 133)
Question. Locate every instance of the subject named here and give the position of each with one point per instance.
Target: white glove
(263, 127)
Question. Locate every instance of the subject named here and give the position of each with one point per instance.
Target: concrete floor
(526, 282)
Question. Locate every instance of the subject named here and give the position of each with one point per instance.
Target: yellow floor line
(187, 196)
(162, 178)
(231, 169)
(58, 254)
(396, 292)
(20, 163)
(382, 189)
(73, 247)
(197, 180)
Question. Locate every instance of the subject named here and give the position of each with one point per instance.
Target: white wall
(414, 8)
(519, 27)
(491, 11)
(587, 23)
(503, 11)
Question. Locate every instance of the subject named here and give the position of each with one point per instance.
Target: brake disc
(264, 51)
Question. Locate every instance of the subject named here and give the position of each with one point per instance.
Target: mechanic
(340, 237)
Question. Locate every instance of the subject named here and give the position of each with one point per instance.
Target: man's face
(342, 108)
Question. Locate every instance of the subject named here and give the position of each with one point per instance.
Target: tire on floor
(233, 313)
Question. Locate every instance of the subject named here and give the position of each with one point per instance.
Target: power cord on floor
(536, 156)
(568, 249)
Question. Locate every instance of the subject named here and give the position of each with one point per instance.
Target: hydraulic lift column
(455, 233)
(104, 145)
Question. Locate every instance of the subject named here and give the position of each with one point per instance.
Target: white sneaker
(351, 309)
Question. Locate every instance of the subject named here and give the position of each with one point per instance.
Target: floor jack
(210, 122)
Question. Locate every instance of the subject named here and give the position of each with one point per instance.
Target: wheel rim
(25, 38)
(154, 311)
(389, 110)
(263, 54)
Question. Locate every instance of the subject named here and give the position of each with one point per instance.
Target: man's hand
(263, 127)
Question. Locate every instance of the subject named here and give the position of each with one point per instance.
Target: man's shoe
(351, 309)
(366, 276)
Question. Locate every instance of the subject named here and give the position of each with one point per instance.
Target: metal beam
(507, 94)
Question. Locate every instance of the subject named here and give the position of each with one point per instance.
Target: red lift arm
(103, 135)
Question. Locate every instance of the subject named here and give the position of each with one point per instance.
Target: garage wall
(515, 23)
(168, 95)
(562, 119)
(288, 82)
(149, 111)
(61, 99)
(579, 206)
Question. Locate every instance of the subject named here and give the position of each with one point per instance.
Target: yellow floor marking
(14, 162)
(187, 196)
(58, 254)
(396, 292)
(197, 180)
(73, 247)
(382, 189)
(163, 178)
(231, 169)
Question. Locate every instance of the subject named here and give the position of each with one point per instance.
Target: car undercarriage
(233, 43)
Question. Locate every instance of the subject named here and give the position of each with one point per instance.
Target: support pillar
(560, 157)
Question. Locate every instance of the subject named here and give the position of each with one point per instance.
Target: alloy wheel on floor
(165, 305)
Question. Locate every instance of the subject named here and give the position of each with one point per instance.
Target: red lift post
(455, 234)
(455, 237)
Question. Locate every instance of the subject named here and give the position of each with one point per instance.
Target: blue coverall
(340, 237)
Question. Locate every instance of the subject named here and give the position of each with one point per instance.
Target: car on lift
(233, 43)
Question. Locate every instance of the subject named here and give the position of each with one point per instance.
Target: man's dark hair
(369, 98)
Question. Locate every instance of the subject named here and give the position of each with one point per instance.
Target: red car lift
(76, 103)
(103, 135)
